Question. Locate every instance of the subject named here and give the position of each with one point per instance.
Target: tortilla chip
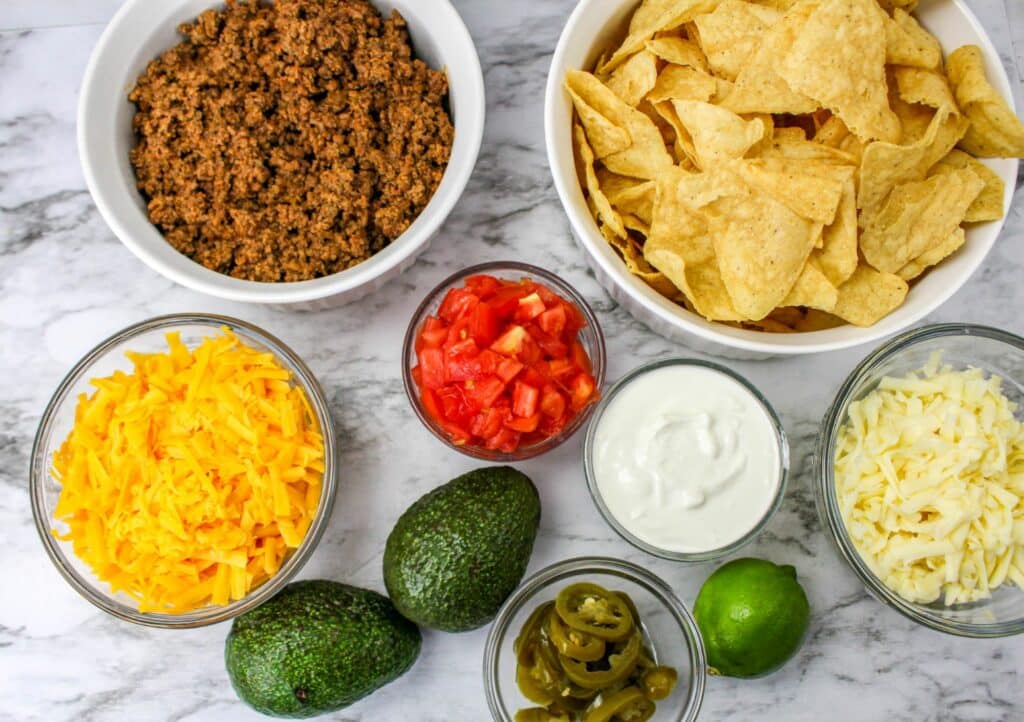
(832, 132)
(886, 165)
(731, 32)
(869, 296)
(677, 51)
(761, 246)
(653, 16)
(995, 131)
(605, 212)
(812, 289)
(717, 133)
(601, 113)
(637, 199)
(907, 43)
(683, 143)
(937, 254)
(677, 82)
(634, 78)
(759, 88)
(988, 206)
(811, 189)
(837, 257)
(917, 217)
(646, 154)
(846, 76)
(815, 320)
(926, 87)
(636, 265)
(680, 248)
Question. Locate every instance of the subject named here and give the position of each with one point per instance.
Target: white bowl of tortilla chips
(701, 211)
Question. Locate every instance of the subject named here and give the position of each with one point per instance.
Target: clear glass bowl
(667, 624)
(595, 492)
(590, 337)
(58, 419)
(962, 345)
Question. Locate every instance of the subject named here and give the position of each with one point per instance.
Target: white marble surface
(66, 282)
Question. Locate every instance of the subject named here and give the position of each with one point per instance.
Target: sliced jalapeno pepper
(539, 714)
(535, 683)
(529, 635)
(626, 705)
(594, 610)
(658, 683)
(617, 666)
(572, 642)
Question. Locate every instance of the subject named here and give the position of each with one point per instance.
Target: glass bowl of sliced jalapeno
(594, 639)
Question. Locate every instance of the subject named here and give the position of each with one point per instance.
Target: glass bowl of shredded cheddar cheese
(920, 477)
(184, 471)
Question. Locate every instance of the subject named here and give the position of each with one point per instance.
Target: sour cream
(686, 458)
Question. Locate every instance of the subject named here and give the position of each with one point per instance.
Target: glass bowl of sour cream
(686, 460)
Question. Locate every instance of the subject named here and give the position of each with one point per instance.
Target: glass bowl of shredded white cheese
(921, 477)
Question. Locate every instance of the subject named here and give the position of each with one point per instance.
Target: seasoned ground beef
(289, 141)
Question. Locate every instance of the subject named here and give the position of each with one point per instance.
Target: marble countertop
(66, 282)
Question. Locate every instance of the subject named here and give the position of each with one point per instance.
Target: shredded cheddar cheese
(189, 480)
(929, 472)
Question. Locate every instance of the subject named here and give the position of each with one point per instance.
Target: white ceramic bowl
(592, 25)
(142, 29)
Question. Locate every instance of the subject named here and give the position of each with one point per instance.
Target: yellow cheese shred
(929, 472)
(190, 480)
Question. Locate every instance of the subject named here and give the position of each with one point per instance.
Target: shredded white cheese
(929, 473)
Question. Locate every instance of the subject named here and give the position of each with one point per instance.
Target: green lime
(753, 616)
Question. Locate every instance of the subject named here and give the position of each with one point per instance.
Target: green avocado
(457, 553)
(316, 647)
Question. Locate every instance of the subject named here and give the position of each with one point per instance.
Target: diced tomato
(582, 387)
(508, 368)
(530, 352)
(490, 362)
(548, 344)
(483, 324)
(454, 404)
(505, 440)
(488, 422)
(580, 357)
(463, 368)
(533, 376)
(483, 286)
(505, 301)
(465, 347)
(484, 392)
(523, 424)
(574, 319)
(530, 307)
(431, 404)
(458, 331)
(562, 369)
(431, 365)
(552, 402)
(524, 399)
(552, 321)
(501, 364)
(510, 343)
(457, 303)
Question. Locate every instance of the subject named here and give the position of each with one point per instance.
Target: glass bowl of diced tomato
(503, 361)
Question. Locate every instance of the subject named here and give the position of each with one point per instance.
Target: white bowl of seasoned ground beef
(300, 153)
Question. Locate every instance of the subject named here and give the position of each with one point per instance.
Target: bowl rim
(598, 358)
(781, 441)
(39, 471)
(689, 324)
(469, 129)
(825, 477)
(575, 566)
